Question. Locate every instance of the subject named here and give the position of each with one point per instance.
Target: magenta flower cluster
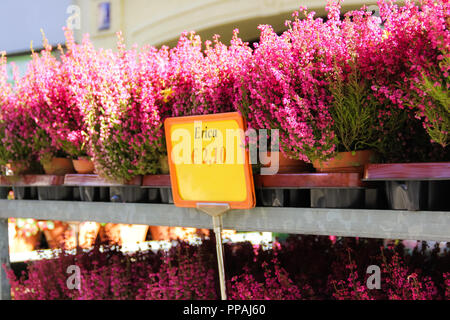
(111, 105)
(408, 70)
(410, 63)
(302, 267)
(287, 83)
(203, 82)
(17, 128)
(116, 96)
(399, 283)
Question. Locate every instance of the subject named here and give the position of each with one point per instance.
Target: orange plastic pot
(83, 166)
(58, 166)
(346, 162)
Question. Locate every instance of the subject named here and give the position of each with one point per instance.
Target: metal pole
(75, 227)
(5, 288)
(217, 223)
(216, 210)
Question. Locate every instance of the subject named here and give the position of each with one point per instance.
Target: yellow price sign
(208, 160)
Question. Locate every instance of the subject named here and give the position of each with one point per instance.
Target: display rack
(368, 223)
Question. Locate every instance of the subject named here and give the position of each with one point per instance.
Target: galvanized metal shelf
(387, 224)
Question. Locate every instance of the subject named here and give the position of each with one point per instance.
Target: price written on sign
(208, 160)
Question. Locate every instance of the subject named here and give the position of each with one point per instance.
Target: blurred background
(142, 22)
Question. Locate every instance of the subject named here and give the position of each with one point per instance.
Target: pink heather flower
(17, 127)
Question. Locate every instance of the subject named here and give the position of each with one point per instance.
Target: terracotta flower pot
(88, 232)
(21, 243)
(287, 165)
(83, 165)
(61, 236)
(59, 166)
(122, 234)
(160, 233)
(346, 162)
(133, 233)
(173, 233)
(110, 233)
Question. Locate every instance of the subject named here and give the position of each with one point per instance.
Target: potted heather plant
(45, 91)
(51, 86)
(42, 94)
(434, 106)
(408, 52)
(200, 81)
(426, 90)
(354, 112)
(409, 74)
(75, 138)
(122, 119)
(325, 106)
(349, 101)
(17, 129)
(223, 80)
(355, 123)
(283, 88)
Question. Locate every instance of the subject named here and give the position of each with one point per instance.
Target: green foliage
(438, 113)
(4, 154)
(15, 147)
(354, 112)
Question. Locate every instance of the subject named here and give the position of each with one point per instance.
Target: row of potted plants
(25, 234)
(302, 267)
(355, 87)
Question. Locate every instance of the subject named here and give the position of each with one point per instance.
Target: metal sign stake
(75, 225)
(216, 210)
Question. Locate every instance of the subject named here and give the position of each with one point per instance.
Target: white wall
(158, 22)
(154, 22)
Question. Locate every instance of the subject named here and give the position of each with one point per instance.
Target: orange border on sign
(250, 200)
